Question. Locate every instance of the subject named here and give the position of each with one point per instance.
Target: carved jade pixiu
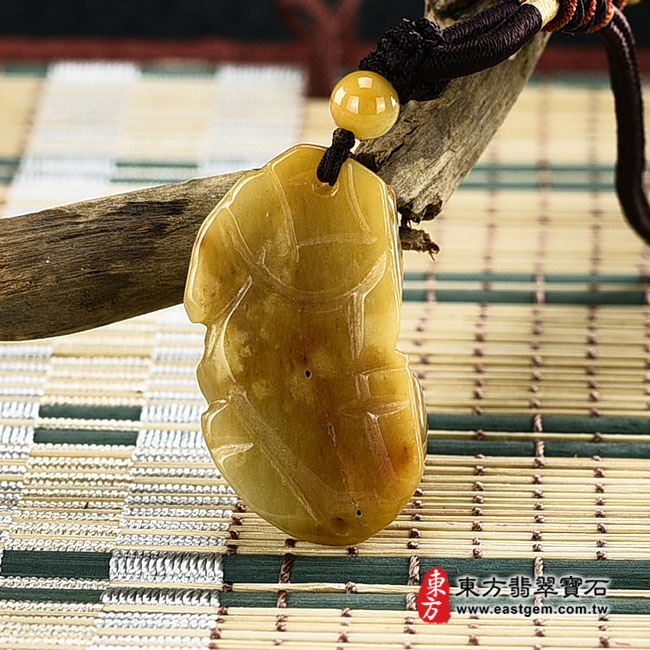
(314, 418)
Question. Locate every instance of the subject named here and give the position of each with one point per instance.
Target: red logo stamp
(433, 599)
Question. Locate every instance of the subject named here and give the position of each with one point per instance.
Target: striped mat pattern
(530, 334)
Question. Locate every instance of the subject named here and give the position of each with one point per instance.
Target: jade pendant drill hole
(340, 526)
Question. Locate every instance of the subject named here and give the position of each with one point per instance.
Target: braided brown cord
(626, 85)
(335, 155)
(419, 58)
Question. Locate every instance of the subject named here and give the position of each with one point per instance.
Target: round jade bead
(364, 103)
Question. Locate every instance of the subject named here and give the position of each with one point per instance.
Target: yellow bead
(364, 103)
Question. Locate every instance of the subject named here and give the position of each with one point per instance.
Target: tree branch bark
(91, 263)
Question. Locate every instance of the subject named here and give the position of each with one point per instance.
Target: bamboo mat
(530, 334)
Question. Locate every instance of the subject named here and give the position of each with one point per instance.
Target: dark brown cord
(398, 57)
(630, 164)
(419, 58)
(334, 157)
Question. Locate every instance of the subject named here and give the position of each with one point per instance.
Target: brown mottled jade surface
(314, 417)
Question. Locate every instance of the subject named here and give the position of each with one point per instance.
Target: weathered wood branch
(91, 263)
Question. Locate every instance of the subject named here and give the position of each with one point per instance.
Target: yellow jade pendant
(314, 418)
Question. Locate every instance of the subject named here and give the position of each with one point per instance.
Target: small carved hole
(340, 526)
(358, 513)
(308, 373)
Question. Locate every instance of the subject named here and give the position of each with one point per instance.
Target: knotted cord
(419, 59)
(335, 155)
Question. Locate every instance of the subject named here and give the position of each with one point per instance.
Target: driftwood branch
(91, 263)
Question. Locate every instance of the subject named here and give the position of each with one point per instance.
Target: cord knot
(398, 54)
(335, 155)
